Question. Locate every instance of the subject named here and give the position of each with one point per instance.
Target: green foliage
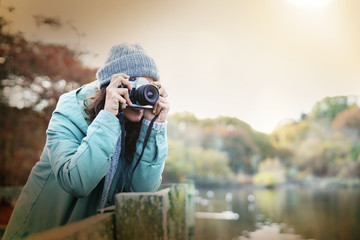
(184, 117)
(209, 164)
(325, 144)
(290, 133)
(271, 172)
(223, 134)
(355, 152)
(177, 163)
(329, 107)
(262, 140)
(194, 162)
(267, 179)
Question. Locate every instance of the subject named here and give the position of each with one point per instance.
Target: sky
(262, 61)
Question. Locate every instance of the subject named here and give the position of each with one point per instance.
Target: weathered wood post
(190, 211)
(178, 219)
(164, 215)
(182, 210)
(142, 216)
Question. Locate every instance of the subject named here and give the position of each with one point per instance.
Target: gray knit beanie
(130, 59)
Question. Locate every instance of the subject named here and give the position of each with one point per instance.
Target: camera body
(143, 93)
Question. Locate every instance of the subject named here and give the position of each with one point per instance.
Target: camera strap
(147, 136)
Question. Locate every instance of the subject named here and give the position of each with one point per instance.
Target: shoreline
(320, 183)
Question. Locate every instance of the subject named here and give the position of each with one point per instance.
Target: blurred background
(265, 115)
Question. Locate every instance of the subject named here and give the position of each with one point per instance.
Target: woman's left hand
(161, 107)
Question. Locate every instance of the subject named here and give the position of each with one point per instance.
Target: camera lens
(150, 94)
(147, 95)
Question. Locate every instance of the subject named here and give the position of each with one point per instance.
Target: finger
(159, 106)
(122, 101)
(124, 75)
(162, 92)
(165, 105)
(155, 108)
(127, 83)
(125, 94)
(162, 99)
(118, 79)
(160, 88)
(115, 81)
(158, 84)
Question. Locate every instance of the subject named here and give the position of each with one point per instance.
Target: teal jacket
(66, 184)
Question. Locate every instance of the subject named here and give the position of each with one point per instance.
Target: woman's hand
(115, 95)
(161, 107)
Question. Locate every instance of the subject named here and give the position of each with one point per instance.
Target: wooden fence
(166, 214)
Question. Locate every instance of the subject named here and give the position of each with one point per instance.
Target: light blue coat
(66, 185)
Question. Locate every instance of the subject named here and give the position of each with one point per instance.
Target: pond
(281, 213)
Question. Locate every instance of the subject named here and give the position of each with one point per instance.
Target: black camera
(143, 94)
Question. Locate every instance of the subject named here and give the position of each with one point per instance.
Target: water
(282, 213)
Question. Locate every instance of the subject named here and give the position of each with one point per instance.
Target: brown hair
(94, 104)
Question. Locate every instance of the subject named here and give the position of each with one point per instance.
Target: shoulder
(69, 107)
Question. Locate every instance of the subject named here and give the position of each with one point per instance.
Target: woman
(97, 145)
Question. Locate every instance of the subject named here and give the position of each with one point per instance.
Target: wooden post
(142, 216)
(190, 211)
(164, 215)
(182, 210)
(178, 226)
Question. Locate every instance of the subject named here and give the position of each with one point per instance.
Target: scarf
(119, 156)
(116, 158)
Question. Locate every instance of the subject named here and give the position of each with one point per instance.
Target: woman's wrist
(156, 125)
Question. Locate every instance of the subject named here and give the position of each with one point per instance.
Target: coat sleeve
(80, 164)
(147, 176)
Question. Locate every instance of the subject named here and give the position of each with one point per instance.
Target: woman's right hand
(115, 95)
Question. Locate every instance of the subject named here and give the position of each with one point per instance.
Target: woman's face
(135, 114)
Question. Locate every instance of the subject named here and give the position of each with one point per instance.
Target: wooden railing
(166, 214)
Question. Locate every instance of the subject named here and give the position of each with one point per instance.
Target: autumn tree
(348, 121)
(35, 74)
(285, 139)
(244, 147)
(325, 144)
(32, 77)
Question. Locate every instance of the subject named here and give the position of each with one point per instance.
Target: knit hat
(130, 59)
